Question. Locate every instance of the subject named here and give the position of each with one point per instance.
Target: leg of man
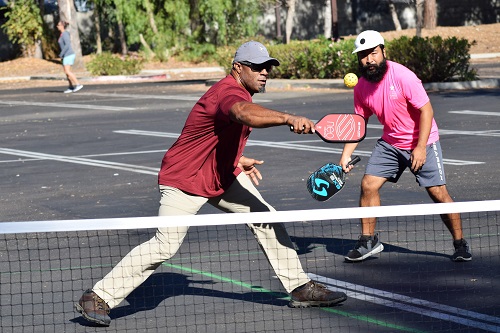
(274, 241)
(432, 177)
(142, 261)
(453, 222)
(369, 197)
(384, 165)
(368, 243)
(243, 197)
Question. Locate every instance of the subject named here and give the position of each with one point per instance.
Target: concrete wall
(313, 16)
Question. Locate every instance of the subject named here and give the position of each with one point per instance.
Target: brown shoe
(93, 308)
(315, 294)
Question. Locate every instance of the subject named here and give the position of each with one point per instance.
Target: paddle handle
(353, 161)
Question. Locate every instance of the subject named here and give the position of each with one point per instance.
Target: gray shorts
(389, 162)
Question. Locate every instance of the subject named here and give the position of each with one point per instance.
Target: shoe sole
(310, 304)
(84, 314)
(376, 250)
(461, 259)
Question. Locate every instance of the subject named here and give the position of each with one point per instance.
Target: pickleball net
(220, 281)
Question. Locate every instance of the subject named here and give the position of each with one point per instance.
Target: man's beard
(374, 76)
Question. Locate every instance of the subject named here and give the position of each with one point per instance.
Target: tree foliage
(180, 26)
(24, 24)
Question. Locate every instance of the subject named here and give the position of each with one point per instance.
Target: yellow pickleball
(350, 80)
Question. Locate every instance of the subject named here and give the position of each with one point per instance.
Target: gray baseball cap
(255, 53)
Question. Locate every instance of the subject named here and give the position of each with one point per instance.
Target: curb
(177, 76)
(307, 84)
(465, 85)
(100, 78)
(484, 55)
(489, 83)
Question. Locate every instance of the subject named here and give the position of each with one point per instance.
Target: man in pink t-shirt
(410, 139)
(206, 165)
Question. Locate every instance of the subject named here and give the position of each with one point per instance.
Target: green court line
(113, 264)
(277, 294)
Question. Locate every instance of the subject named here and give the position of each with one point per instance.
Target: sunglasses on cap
(257, 67)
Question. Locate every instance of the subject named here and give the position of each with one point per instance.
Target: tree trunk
(146, 46)
(327, 27)
(97, 24)
(121, 36)
(67, 12)
(420, 17)
(430, 17)
(38, 49)
(277, 13)
(335, 21)
(121, 28)
(290, 15)
(394, 15)
(151, 16)
(38, 42)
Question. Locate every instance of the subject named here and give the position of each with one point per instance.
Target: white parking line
(414, 305)
(135, 96)
(289, 145)
(69, 106)
(494, 133)
(82, 161)
(158, 96)
(476, 113)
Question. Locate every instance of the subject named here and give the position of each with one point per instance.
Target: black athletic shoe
(462, 252)
(365, 247)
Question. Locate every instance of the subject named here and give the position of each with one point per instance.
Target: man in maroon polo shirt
(206, 165)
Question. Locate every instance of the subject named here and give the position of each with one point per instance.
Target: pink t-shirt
(203, 161)
(395, 101)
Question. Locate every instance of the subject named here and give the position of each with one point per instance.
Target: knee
(439, 194)
(369, 187)
(167, 241)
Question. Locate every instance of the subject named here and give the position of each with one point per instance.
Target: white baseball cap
(368, 39)
(255, 53)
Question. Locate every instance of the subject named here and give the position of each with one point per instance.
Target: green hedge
(432, 59)
(318, 59)
(109, 64)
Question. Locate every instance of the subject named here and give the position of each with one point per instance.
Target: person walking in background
(68, 57)
(206, 165)
(410, 139)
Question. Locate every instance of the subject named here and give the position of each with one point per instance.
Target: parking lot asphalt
(96, 153)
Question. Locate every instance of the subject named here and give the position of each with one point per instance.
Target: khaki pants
(241, 197)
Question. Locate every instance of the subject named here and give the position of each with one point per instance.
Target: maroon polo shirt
(203, 161)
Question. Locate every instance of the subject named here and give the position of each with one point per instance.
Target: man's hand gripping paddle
(341, 127)
(328, 180)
